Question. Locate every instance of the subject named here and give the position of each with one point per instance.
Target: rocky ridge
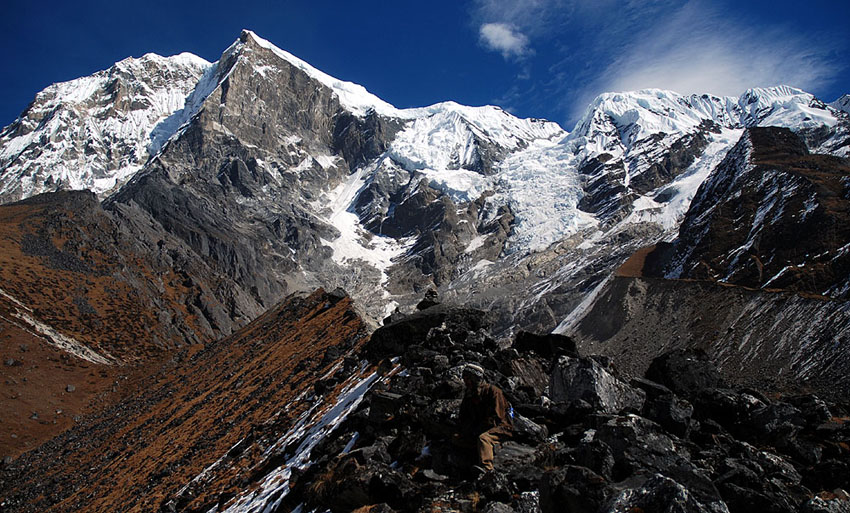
(196, 428)
(331, 431)
(770, 215)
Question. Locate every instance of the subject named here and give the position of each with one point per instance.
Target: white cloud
(581, 49)
(698, 50)
(505, 39)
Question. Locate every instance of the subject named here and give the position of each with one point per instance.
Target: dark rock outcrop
(621, 446)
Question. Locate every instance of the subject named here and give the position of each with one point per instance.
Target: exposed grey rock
(547, 346)
(573, 488)
(671, 412)
(664, 495)
(585, 379)
(498, 507)
(664, 315)
(685, 372)
(832, 505)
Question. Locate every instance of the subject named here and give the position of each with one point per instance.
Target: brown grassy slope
(137, 455)
(42, 388)
(62, 257)
(64, 263)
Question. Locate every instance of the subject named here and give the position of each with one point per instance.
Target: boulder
(429, 300)
(776, 424)
(641, 447)
(672, 412)
(724, 406)
(826, 505)
(528, 376)
(813, 409)
(684, 371)
(595, 455)
(395, 338)
(548, 346)
(586, 379)
(573, 488)
(661, 494)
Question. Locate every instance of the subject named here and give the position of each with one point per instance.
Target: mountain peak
(842, 104)
(353, 97)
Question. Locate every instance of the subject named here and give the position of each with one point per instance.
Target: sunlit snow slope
(94, 132)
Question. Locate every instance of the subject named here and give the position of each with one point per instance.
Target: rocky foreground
(588, 439)
(302, 411)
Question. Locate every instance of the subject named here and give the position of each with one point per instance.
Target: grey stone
(586, 379)
(832, 505)
(662, 495)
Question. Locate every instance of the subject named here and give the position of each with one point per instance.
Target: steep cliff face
(772, 215)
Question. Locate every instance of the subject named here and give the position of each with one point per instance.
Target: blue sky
(535, 58)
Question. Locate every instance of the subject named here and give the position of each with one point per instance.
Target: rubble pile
(586, 438)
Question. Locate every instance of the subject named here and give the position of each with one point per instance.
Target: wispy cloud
(505, 39)
(688, 46)
(697, 50)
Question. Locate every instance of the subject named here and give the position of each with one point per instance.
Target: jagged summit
(640, 114)
(353, 96)
(93, 132)
(842, 104)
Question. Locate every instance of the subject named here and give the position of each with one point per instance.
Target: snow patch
(355, 244)
(310, 429)
(55, 338)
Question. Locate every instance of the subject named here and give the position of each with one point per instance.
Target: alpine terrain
(249, 286)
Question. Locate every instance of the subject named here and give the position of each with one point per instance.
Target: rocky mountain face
(842, 104)
(767, 220)
(662, 223)
(284, 178)
(98, 291)
(770, 215)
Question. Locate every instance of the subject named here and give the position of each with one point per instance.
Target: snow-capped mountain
(842, 104)
(292, 178)
(94, 132)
